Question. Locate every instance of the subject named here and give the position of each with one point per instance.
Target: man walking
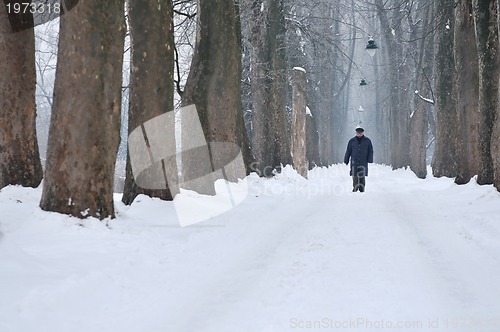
(360, 151)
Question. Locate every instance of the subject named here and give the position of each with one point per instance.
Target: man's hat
(359, 129)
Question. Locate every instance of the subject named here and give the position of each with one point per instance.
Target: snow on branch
(427, 100)
(299, 69)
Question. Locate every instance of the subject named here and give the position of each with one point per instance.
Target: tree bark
(214, 87)
(486, 27)
(495, 137)
(467, 83)
(419, 124)
(312, 142)
(327, 109)
(419, 135)
(85, 123)
(151, 86)
(19, 155)
(444, 161)
(271, 142)
(399, 140)
(299, 104)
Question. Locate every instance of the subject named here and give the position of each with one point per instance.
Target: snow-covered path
(408, 255)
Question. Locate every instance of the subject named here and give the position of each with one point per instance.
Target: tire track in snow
(255, 259)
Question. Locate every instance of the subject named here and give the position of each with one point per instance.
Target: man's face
(360, 133)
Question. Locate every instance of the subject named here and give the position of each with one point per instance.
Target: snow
(299, 69)
(423, 98)
(296, 254)
(308, 111)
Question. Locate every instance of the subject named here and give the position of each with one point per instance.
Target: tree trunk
(324, 116)
(486, 27)
(271, 141)
(19, 156)
(495, 137)
(444, 161)
(151, 86)
(419, 136)
(467, 83)
(419, 123)
(85, 125)
(312, 142)
(399, 140)
(299, 104)
(214, 87)
(327, 114)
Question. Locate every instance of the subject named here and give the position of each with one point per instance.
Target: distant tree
(151, 78)
(445, 159)
(320, 27)
(19, 156)
(184, 39)
(467, 85)
(321, 37)
(46, 38)
(486, 28)
(85, 121)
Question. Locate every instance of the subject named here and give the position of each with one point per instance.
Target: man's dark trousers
(358, 183)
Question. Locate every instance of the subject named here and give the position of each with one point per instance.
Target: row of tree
(448, 53)
(240, 82)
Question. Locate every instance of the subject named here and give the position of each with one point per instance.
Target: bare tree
(445, 160)
(299, 116)
(419, 123)
(151, 84)
(392, 26)
(271, 139)
(46, 37)
(19, 154)
(213, 86)
(85, 121)
(467, 85)
(486, 27)
(495, 137)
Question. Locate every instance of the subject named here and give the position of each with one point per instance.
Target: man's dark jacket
(360, 151)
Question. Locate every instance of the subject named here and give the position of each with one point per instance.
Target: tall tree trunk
(382, 148)
(85, 125)
(327, 58)
(444, 161)
(312, 141)
(399, 140)
(151, 84)
(419, 123)
(214, 87)
(19, 156)
(467, 83)
(495, 137)
(419, 136)
(299, 138)
(486, 27)
(271, 141)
